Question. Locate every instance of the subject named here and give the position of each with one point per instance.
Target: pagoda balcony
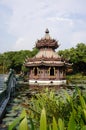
(52, 77)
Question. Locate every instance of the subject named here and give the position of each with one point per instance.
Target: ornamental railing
(10, 84)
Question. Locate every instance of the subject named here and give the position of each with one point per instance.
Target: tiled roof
(48, 53)
(47, 41)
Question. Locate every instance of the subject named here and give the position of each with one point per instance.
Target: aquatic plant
(39, 118)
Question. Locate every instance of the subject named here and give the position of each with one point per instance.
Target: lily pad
(8, 119)
(23, 94)
(15, 108)
(16, 100)
(12, 114)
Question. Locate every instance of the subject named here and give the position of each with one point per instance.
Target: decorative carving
(47, 41)
(52, 43)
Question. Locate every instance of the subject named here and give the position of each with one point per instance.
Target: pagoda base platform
(47, 82)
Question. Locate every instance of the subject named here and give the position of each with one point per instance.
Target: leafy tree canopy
(77, 56)
(15, 59)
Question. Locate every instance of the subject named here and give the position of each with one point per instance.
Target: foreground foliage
(50, 111)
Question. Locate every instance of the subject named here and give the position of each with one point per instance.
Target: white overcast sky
(22, 22)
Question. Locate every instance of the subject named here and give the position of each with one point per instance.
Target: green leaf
(82, 101)
(83, 128)
(71, 123)
(24, 125)
(31, 123)
(23, 114)
(68, 97)
(54, 124)
(84, 112)
(43, 122)
(14, 123)
(17, 120)
(60, 124)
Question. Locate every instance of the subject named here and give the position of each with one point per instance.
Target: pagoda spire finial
(47, 36)
(46, 31)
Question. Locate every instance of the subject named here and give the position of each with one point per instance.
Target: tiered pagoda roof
(47, 41)
(46, 55)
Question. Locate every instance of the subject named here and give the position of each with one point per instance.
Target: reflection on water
(77, 83)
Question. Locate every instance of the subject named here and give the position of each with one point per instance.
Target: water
(2, 80)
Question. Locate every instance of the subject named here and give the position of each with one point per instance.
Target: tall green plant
(23, 125)
(43, 121)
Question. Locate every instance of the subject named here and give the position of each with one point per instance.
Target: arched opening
(35, 71)
(51, 71)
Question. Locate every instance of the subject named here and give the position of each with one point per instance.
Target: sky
(23, 22)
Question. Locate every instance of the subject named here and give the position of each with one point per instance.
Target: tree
(77, 56)
(15, 59)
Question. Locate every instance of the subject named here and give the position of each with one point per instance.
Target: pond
(22, 99)
(77, 83)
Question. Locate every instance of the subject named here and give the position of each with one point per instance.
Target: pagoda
(46, 67)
